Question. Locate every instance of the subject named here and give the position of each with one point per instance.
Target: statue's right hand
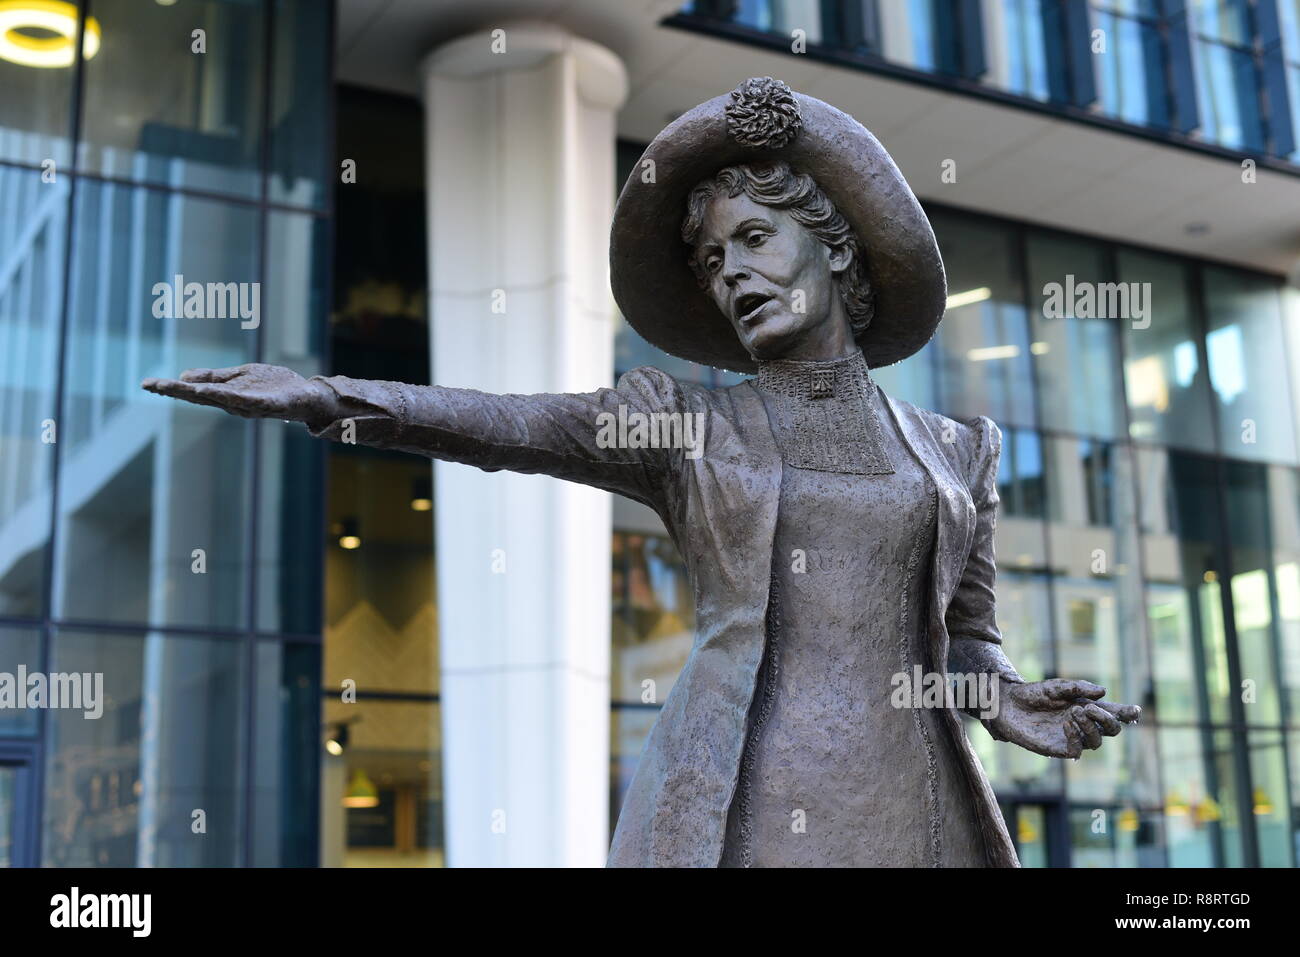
(255, 391)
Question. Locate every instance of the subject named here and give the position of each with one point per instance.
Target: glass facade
(260, 605)
(148, 227)
(1224, 73)
(1146, 541)
(380, 627)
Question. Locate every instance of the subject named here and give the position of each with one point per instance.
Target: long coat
(720, 507)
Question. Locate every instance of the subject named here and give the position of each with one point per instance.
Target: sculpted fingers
(1073, 737)
(1087, 727)
(176, 389)
(216, 395)
(1127, 713)
(1108, 724)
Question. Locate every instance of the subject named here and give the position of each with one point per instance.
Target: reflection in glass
(172, 555)
(19, 647)
(33, 217)
(1180, 540)
(1270, 809)
(1114, 835)
(1076, 358)
(1202, 826)
(286, 754)
(122, 790)
(1130, 76)
(983, 344)
(301, 88)
(1016, 52)
(1255, 587)
(36, 111)
(1167, 387)
(201, 126)
(291, 465)
(381, 784)
(1248, 370)
(1097, 588)
(653, 617)
(1029, 831)
(380, 615)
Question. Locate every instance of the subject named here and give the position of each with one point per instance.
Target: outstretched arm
(1058, 717)
(563, 435)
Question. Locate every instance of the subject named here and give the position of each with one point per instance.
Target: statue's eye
(713, 263)
(755, 238)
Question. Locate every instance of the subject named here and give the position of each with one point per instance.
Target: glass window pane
(301, 92)
(1227, 95)
(1016, 51)
(1022, 489)
(1114, 835)
(287, 751)
(1168, 391)
(1031, 835)
(1270, 808)
(33, 217)
(20, 648)
(1075, 341)
(122, 790)
(380, 616)
(1289, 19)
(1097, 588)
(1293, 765)
(1202, 819)
(653, 617)
(147, 481)
(291, 468)
(1256, 584)
(381, 796)
(36, 109)
(201, 126)
(1180, 540)
(1248, 368)
(1226, 20)
(983, 353)
(1131, 75)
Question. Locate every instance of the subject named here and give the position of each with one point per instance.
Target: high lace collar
(843, 378)
(823, 414)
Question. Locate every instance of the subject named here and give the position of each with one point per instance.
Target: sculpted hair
(777, 185)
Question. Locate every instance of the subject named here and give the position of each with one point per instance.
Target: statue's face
(769, 275)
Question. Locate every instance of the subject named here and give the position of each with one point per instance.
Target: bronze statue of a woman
(838, 541)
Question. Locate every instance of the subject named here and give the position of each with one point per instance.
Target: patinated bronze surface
(836, 538)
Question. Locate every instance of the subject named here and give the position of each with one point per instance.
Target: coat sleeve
(565, 435)
(975, 643)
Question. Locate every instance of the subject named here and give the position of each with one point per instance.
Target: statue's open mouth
(750, 305)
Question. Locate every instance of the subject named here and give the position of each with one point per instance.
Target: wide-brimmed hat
(764, 120)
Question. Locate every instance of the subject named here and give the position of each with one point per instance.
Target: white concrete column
(520, 132)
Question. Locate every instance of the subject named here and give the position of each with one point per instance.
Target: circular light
(56, 16)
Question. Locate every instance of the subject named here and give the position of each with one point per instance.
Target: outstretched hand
(1059, 717)
(254, 391)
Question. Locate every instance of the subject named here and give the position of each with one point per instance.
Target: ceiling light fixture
(969, 297)
(53, 16)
